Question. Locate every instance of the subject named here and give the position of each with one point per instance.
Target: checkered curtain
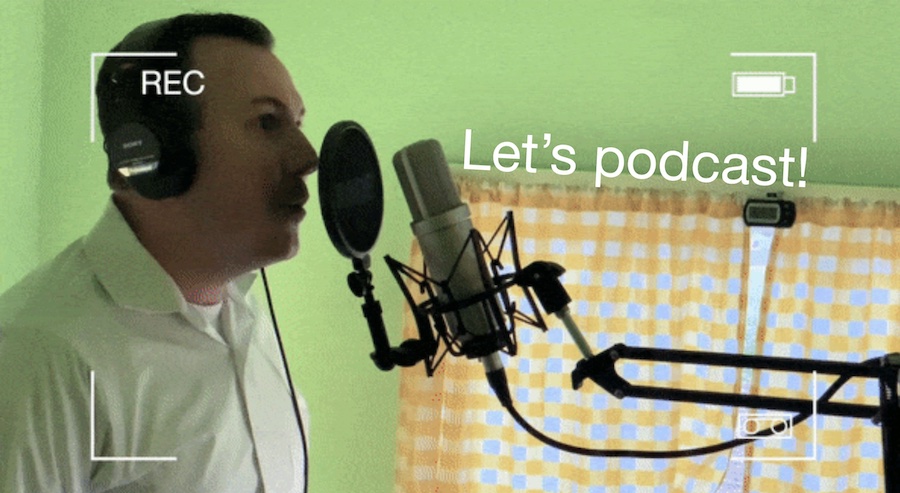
(664, 270)
(833, 293)
(644, 268)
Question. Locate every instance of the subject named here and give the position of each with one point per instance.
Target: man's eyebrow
(268, 99)
(276, 102)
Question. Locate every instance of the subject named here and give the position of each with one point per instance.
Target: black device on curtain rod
(350, 192)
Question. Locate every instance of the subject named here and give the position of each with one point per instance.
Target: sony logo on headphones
(133, 143)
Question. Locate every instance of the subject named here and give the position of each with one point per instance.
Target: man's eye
(269, 121)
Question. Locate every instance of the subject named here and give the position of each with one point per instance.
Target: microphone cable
(506, 401)
(290, 382)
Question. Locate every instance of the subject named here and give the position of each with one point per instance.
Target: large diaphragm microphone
(442, 224)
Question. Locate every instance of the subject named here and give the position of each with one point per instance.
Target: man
(137, 360)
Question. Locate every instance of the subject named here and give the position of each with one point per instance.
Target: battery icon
(762, 84)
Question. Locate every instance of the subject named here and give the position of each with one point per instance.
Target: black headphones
(147, 144)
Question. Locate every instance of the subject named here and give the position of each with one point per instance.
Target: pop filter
(350, 192)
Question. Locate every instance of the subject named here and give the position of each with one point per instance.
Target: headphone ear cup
(148, 144)
(136, 153)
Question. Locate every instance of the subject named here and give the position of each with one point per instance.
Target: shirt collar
(131, 276)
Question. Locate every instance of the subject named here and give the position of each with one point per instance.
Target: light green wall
(21, 37)
(623, 74)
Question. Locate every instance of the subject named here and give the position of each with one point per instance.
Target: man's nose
(304, 159)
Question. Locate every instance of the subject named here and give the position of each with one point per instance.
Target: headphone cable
(290, 382)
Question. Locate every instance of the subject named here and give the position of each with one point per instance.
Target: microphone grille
(425, 178)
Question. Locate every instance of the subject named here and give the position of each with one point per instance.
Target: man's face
(253, 158)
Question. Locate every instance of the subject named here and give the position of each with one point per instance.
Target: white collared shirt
(167, 383)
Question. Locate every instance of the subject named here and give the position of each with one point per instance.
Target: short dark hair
(174, 119)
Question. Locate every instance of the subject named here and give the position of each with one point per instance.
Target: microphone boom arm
(600, 368)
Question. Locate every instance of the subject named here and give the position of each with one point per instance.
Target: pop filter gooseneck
(350, 192)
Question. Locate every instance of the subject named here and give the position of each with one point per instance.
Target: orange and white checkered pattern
(644, 268)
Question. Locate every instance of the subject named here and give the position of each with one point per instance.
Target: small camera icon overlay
(749, 424)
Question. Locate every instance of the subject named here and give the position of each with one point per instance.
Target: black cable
(664, 454)
(287, 372)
